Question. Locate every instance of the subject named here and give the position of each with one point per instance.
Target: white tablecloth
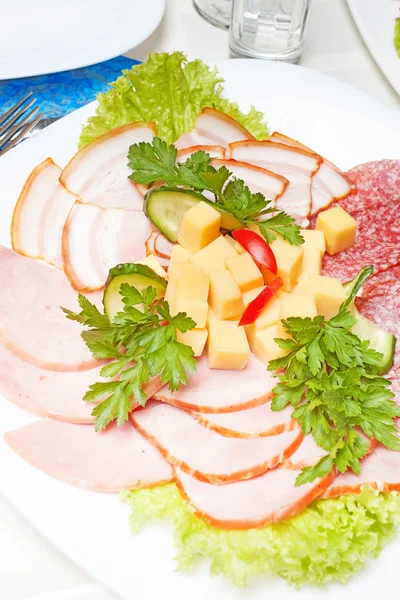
(29, 566)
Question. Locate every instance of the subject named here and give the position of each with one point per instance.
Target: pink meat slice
(260, 421)
(380, 470)
(213, 151)
(221, 391)
(269, 498)
(113, 460)
(206, 454)
(32, 324)
(157, 245)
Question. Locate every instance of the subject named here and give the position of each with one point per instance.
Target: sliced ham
(32, 324)
(257, 179)
(380, 470)
(96, 239)
(295, 164)
(259, 421)
(269, 498)
(206, 454)
(221, 391)
(40, 214)
(113, 460)
(213, 127)
(213, 151)
(157, 245)
(328, 183)
(99, 172)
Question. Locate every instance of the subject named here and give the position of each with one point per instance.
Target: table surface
(29, 566)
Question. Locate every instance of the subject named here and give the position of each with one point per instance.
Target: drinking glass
(269, 29)
(216, 12)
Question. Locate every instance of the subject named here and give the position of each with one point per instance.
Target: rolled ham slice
(380, 470)
(269, 498)
(32, 324)
(40, 214)
(221, 391)
(113, 460)
(328, 183)
(213, 127)
(96, 239)
(205, 454)
(259, 421)
(98, 173)
(295, 164)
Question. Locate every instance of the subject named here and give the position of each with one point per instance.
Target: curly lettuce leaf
(396, 39)
(329, 541)
(169, 90)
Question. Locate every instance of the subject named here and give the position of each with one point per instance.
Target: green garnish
(396, 39)
(331, 379)
(156, 161)
(140, 342)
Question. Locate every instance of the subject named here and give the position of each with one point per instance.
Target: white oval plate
(92, 528)
(375, 22)
(48, 36)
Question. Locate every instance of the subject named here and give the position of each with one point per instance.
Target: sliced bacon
(113, 460)
(206, 454)
(40, 214)
(259, 421)
(380, 470)
(213, 151)
(295, 164)
(213, 127)
(32, 324)
(269, 498)
(328, 183)
(98, 173)
(221, 391)
(96, 239)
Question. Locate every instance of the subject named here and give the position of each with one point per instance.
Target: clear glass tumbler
(268, 29)
(216, 12)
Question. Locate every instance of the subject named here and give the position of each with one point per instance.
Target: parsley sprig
(156, 161)
(331, 381)
(139, 343)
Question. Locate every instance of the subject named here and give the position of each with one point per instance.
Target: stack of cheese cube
(212, 278)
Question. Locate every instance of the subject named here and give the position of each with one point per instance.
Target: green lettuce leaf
(169, 90)
(396, 39)
(329, 541)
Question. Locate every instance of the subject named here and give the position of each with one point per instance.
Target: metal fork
(17, 123)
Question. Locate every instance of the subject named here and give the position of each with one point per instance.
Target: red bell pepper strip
(257, 247)
(258, 304)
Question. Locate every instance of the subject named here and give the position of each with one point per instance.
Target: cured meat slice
(375, 208)
(40, 214)
(259, 421)
(269, 498)
(328, 183)
(32, 324)
(295, 164)
(98, 173)
(221, 391)
(213, 151)
(96, 239)
(380, 470)
(206, 454)
(257, 179)
(113, 460)
(157, 245)
(213, 127)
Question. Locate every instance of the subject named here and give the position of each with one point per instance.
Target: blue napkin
(58, 94)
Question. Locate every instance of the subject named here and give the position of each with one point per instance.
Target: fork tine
(16, 116)
(13, 130)
(6, 115)
(28, 127)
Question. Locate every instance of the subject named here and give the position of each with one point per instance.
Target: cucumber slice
(380, 340)
(139, 276)
(165, 207)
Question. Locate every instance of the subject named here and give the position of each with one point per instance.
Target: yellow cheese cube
(187, 291)
(213, 256)
(179, 254)
(228, 347)
(195, 309)
(295, 306)
(195, 338)
(230, 239)
(199, 227)
(280, 294)
(339, 229)
(312, 261)
(313, 238)
(211, 316)
(251, 295)
(269, 316)
(289, 260)
(264, 346)
(152, 262)
(245, 271)
(239, 248)
(328, 294)
(225, 297)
